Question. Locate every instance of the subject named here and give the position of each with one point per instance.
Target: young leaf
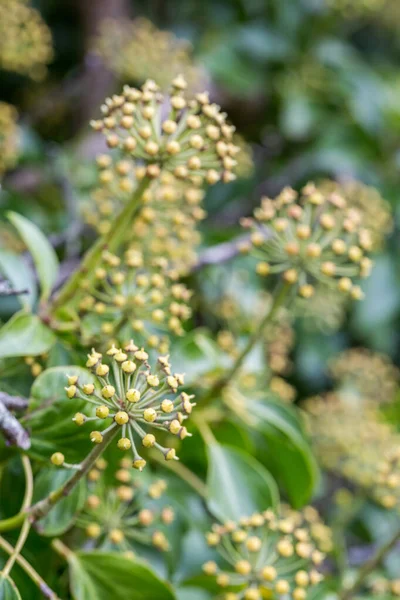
(8, 589)
(19, 275)
(43, 254)
(238, 485)
(105, 575)
(25, 335)
(63, 514)
(289, 455)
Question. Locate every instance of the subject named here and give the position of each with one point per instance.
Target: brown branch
(12, 429)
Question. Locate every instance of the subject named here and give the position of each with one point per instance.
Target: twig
(6, 289)
(13, 402)
(220, 253)
(370, 566)
(26, 525)
(12, 429)
(30, 571)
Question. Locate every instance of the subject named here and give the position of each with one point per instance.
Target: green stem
(370, 566)
(109, 241)
(184, 473)
(43, 507)
(61, 549)
(26, 524)
(30, 571)
(221, 383)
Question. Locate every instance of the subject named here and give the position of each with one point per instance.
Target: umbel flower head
(308, 239)
(270, 555)
(351, 440)
(167, 219)
(9, 136)
(136, 50)
(126, 512)
(25, 39)
(129, 297)
(325, 311)
(375, 212)
(367, 374)
(189, 138)
(139, 401)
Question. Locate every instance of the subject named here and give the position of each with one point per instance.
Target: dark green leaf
(289, 455)
(62, 515)
(13, 267)
(25, 335)
(43, 255)
(238, 485)
(103, 575)
(50, 416)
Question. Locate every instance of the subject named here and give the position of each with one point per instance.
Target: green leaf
(43, 254)
(25, 335)
(8, 589)
(238, 485)
(50, 416)
(105, 575)
(63, 514)
(13, 267)
(289, 454)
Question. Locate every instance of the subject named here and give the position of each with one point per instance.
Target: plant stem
(26, 524)
(109, 241)
(29, 570)
(43, 507)
(184, 473)
(220, 384)
(61, 549)
(370, 566)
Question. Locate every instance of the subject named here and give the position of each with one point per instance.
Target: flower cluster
(189, 138)
(368, 374)
(135, 398)
(356, 444)
(383, 588)
(127, 512)
(166, 222)
(135, 50)
(325, 311)
(375, 211)
(126, 295)
(386, 12)
(25, 40)
(8, 135)
(272, 556)
(310, 238)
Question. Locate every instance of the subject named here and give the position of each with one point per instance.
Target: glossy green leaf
(43, 254)
(62, 515)
(50, 416)
(238, 485)
(8, 589)
(25, 335)
(104, 575)
(21, 277)
(289, 455)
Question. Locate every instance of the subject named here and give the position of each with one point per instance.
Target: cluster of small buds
(135, 398)
(310, 238)
(128, 298)
(325, 311)
(383, 588)
(272, 556)
(375, 212)
(368, 374)
(386, 11)
(166, 222)
(118, 515)
(25, 39)
(245, 163)
(35, 363)
(9, 136)
(354, 442)
(279, 338)
(135, 50)
(192, 139)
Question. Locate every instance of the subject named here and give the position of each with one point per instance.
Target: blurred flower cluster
(270, 555)
(9, 137)
(25, 39)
